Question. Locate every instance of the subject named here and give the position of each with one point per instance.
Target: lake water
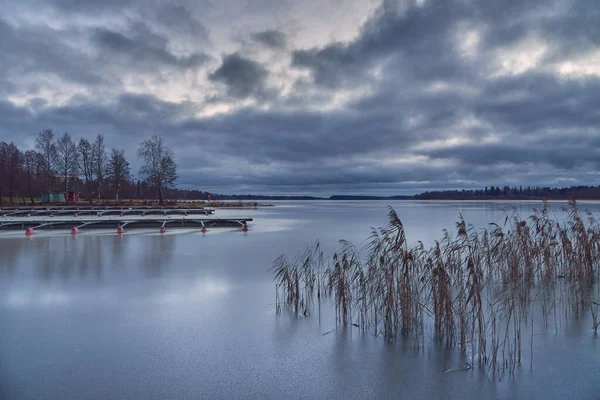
(190, 316)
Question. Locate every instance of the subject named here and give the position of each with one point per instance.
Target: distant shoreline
(419, 197)
(488, 193)
(506, 193)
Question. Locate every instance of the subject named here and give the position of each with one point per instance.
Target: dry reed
(477, 289)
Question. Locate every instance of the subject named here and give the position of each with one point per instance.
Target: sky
(316, 97)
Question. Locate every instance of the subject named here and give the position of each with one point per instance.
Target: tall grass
(476, 289)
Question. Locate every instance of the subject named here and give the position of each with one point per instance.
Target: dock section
(119, 223)
(100, 211)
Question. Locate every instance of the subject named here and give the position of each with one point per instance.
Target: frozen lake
(185, 315)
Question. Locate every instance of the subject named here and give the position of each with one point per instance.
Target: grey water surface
(186, 315)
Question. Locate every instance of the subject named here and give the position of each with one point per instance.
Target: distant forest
(488, 193)
(513, 193)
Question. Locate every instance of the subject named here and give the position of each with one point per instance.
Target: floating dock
(162, 223)
(100, 211)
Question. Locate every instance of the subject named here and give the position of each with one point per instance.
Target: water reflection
(118, 254)
(90, 257)
(60, 257)
(191, 293)
(48, 257)
(158, 255)
(10, 252)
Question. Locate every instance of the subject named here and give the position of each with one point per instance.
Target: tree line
(529, 192)
(61, 164)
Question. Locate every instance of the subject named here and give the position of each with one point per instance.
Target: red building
(72, 197)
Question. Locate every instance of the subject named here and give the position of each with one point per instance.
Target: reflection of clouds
(53, 299)
(46, 299)
(202, 289)
(39, 297)
(184, 292)
(17, 300)
(278, 225)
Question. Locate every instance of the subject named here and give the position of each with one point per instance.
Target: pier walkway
(30, 224)
(101, 211)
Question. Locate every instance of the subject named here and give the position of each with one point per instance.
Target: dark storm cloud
(143, 47)
(317, 176)
(87, 6)
(307, 137)
(241, 76)
(6, 87)
(271, 38)
(417, 36)
(179, 19)
(11, 116)
(571, 25)
(566, 157)
(535, 102)
(30, 49)
(418, 43)
(36, 55)
(125, 121)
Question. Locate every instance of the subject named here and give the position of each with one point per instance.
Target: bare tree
(99, 162)
(44, 143)
(14, 164)
(3, 169)
(117, 171)
(66, 160)
(159, 167)
(33, 163)
(86, 164)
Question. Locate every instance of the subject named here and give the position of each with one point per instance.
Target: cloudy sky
(316, 96)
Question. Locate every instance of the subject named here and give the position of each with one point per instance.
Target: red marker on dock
(74, 231)
(120, 230)
(29, 232)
